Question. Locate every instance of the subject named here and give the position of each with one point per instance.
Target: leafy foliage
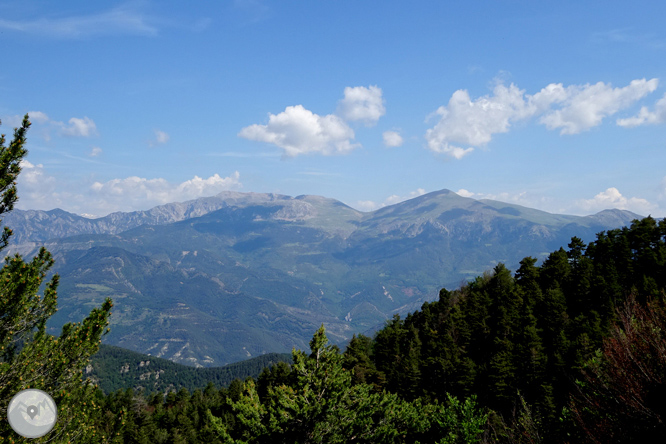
(621, 395)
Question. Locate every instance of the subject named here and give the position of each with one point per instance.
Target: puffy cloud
(134, 192)
(362, 104)
(79, 127)
(392, 138)
(473, 123)
(647, 117)
(369, 205)
(585, 106)
(465, 123)
(612, 198)
(300, 131)
(96, 151)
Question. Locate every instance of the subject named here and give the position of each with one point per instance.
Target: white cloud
(472, 123)
(465, 123)
(392, 138)
(417, 193)
(75, 127)
(32, 174)
(38, 116)
(612, 198)
(369, 205)
(464, 193)
(160, 138)
(585, 106)
(79, 127)
(35, 187)
(647, 117)
(134, 192)
(96, 151)
(120, 20)
(392, 199)
(40, 191)
(362, 104)
(300, 131)
(523, 198)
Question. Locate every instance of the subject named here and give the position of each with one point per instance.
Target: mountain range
(220, 279)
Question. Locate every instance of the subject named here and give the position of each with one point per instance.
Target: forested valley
(570, 350)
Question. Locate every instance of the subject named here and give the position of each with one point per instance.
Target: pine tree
(323, 406)
(29, 357)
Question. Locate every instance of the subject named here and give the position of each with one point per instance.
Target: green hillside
(115, 368)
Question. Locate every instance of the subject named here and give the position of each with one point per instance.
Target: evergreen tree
(29, 357)
(323, 406)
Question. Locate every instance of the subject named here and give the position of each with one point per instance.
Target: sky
(559, 106)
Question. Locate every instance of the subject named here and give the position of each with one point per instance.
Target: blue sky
(559, 106)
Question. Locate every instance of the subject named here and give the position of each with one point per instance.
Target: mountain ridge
(238, 275)
(40, 225)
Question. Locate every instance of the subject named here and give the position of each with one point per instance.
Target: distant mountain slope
(115, 368)
(221, 279)
(39, 226)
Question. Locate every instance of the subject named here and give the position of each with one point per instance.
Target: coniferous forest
(572, 349)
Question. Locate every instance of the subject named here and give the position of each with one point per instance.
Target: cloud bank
(138, 192)
(465, 124)
(39, 190)
(612, 198)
